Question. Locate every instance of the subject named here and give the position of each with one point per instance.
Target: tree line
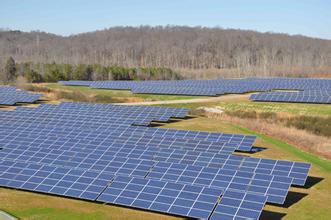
(53, 72)
(175, 47)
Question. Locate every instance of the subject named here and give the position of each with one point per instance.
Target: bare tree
(171, 46)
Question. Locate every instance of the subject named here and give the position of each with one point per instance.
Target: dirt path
(209, 99)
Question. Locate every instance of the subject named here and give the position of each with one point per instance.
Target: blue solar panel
(307, 96)
(311, 90)
(54, 180)
(274, 187)
(175, 198)
(95, 152)
(10, 96)
(238, 205)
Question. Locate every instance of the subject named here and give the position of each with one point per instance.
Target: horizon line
(8, 29)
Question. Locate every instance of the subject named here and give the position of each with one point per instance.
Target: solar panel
(71, 154)
(238, 205)
(53, 180)
(307, 96)
(274, 187)
(95, 152)
(311, 90)
(10, 96)
(172, 198)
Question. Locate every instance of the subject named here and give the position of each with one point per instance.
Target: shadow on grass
(269, 215)
(254, 150)
(44, 101)
(163, 123)
(310, 182)
(291, 199)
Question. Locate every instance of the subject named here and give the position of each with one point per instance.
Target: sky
(66, 17)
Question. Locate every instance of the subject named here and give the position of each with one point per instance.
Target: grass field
(305, 203)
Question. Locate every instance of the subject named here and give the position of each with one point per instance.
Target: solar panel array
(308, 96)
(9, 95)
(312, 90)
(97, 152)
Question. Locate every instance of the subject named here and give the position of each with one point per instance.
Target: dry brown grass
(305, 140)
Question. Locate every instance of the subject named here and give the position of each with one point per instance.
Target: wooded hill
(175, 47)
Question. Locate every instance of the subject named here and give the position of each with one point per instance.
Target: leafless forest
(194, 51)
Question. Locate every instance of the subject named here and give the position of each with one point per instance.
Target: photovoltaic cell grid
(14, 133)
(10, 96)
(303, 97)
(187, 173)
(175, 198)
(310, 90)
(29, 119)
(239, 205)
(63, 114)
(54, 180)
(86, 154)
(269, 183)
(31, 146)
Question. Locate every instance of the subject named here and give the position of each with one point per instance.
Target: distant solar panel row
(303, 97)
(314, 90)
(94, 152)
(10, 96)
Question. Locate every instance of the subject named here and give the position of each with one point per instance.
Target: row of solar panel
(10, 96)
(34, 132)
(102, 110)
(10, 140)
(76, 142)
(227, 145)
(76, 154)
(291, 97)
(123, 130)
(218, 86)
(169, 171)
(27, 121)
(106, 161)
(271, 83)
(61, 115)
(272, 186)
(173, 198)
(275, 188)
(7, 89)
